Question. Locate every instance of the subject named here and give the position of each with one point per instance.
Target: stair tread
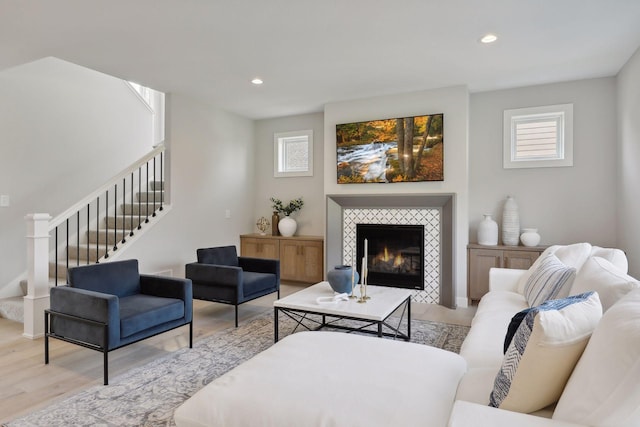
(12, 308)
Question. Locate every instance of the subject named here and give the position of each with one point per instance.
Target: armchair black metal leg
(191, 334)
(46, 338)
(106, 366)
(105, 351)
(236, 316)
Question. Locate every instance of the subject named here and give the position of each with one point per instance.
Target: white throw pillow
(543, 352)
(615, 256)
(600, 275)
(571, 255)
(603, 389)
(550, 280)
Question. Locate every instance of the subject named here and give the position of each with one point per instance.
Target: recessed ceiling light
(488, 38)
(257, 81)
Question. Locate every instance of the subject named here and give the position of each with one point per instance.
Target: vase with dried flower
(287, 225)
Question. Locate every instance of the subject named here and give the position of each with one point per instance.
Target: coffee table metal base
(330, 321)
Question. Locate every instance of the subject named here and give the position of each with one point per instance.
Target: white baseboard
(462, 302)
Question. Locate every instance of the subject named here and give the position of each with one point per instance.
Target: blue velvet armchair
(221, 275)
(110, 305)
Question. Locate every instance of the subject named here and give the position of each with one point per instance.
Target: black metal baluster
(146, 213)
(131, 213)
(78, 238)
(154, 186)
(56, 263)
(98, 230)
(161, 181)
(124, 211)
(67, 245)
(88, 255)
(139, 201)
(106, 233)
(115, 217)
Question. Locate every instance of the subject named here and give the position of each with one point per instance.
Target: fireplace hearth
(395, 254)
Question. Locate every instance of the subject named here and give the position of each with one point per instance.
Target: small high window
(538, 137)
(293, 153)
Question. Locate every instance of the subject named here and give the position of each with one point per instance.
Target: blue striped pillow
(544, 351)
(551, 280)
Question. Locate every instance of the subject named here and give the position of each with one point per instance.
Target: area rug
(148, 395)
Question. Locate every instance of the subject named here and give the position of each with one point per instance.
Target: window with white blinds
(538, 137)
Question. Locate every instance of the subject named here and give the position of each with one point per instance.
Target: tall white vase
(287, 226)
(488, 231)
(510, 223)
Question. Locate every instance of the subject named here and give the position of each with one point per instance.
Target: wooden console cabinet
(480, 259)
(301, 257)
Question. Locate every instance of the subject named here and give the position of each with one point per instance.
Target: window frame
(279, 141)
(563, 113)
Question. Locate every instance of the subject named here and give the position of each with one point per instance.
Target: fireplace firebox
(395, 254)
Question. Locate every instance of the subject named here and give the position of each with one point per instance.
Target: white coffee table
(384, 301)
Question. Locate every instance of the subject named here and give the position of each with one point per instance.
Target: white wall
(628, 162)
(566, 204)
(64, 131)
(311, 217)
(211, 157)
(454, 103)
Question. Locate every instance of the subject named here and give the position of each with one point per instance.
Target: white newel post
(37, 299)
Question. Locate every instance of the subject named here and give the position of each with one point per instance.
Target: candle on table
(353, 273)
(366, 250)
(354, 265)
(366, 260)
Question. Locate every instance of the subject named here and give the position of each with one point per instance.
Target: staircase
(99, 228)
(12, 309)
(107, 239)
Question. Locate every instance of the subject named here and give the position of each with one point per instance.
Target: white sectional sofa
(600, 269)
(335, 379)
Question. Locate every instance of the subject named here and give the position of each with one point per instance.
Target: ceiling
(312, 52)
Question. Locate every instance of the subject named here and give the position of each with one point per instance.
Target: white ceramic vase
(530, 237)
(510, 223)
(287, 226)
(488, 231)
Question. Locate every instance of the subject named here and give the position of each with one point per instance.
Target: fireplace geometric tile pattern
(429, 217)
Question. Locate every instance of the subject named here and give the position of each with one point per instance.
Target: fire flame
(397, 260)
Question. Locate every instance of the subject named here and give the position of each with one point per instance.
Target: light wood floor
(27, 384)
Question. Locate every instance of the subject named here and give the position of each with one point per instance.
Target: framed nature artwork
(407, 149)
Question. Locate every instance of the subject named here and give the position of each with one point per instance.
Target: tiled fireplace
(433, 213)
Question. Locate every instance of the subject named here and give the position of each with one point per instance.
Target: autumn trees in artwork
(392, 150)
